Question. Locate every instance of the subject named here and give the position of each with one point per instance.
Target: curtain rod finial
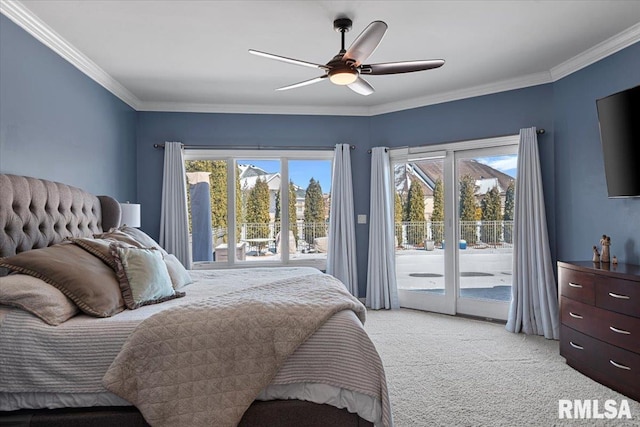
(540, 131)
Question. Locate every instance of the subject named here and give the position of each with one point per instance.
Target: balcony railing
(305, 233)
(414, 234)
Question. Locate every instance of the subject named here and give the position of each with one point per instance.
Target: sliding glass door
(485, 200)
(454, 222)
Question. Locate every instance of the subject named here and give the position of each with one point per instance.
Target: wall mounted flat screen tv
(619, 117)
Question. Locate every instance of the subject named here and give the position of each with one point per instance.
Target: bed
(159, 360)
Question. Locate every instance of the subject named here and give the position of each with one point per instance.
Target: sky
(300, 171)
(506, 164)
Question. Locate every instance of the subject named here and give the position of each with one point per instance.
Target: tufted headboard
(36, 213)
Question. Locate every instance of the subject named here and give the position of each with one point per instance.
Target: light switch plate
(362, 219)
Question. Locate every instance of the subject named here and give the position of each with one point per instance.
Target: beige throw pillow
(37, 297)
(86, 280)
(179, 275)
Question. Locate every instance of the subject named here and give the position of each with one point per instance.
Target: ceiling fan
(347, 66)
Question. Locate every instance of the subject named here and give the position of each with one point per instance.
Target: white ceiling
(192, 55)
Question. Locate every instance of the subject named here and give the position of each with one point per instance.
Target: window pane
(310, 183)
(207, 204)
(256, 213)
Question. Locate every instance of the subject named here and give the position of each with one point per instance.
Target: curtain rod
(538, 131)
(252, 147)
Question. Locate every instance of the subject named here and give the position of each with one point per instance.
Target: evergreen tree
(509, 207)
(491, 214)
(468, 208)
(397, 214)
(437, 217)
(314, 212)
(415, 214)
(258, 210)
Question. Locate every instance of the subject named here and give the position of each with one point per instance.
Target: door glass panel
(419, 227)
(485, 207)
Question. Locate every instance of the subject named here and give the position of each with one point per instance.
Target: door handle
(575, 285)
(575, 316)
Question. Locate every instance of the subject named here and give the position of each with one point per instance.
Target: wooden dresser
(600, 322)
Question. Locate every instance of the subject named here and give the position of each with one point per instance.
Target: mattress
(53, 367)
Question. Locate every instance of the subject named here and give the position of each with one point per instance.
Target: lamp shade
(130, 214)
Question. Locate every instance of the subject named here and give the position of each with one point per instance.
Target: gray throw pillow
(143, 276)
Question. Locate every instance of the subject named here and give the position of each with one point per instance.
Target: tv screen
(619, 117)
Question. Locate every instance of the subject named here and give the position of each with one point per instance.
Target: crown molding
(27, 20)
(184, 107)
(600, 51)
(487, 89)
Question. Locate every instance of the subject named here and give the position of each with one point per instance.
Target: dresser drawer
(614, 328)
(577, 285)
(622, 296)
(615, 366)
(577, 347)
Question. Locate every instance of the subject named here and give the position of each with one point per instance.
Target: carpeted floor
(453, 371)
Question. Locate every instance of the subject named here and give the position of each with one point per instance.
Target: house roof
(427, 172)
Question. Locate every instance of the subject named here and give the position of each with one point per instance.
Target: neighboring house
(249, 174)
(427, 172)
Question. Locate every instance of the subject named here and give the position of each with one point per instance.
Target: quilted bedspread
(204, 363)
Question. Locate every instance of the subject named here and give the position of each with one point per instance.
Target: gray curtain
(174, 225)
(341, 253)
(382, 290)
(534, 307)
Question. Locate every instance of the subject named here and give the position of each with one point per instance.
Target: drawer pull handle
(619, 331)
(574, 285)
(617, 365)
(579, 347)
(611, 294)
(575, 316)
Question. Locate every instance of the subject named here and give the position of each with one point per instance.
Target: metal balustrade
(414, 234)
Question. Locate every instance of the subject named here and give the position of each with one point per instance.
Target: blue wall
(473, 118)
(251, 129)
(503, 113)
(56, 123)
(583, 210)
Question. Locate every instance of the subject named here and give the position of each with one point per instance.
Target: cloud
(501, 163)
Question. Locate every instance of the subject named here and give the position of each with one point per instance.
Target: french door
(454, 233)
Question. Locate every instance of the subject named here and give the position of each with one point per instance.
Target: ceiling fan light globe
(343, 77)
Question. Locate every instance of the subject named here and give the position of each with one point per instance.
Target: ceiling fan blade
(368, 40)
(400, 67)
(288, 60)
(303, 83)
(362, 87)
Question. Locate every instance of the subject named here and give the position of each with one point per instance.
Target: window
(260, 208)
